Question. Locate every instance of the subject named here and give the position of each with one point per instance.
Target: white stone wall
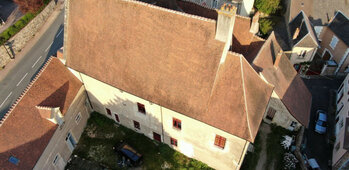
(195, 139)
(26, 34)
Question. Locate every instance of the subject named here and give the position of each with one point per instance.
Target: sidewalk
(59, 7)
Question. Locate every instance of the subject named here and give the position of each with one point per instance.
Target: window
(116, 117)
(13, 160)
(136, 125)
(55, 160)
(214, 3)
(341, 124)
(220, 141)
(334, 42)
(108, 111)
(340, 98)
(337, 146)
(77, 118)
(70, 141)
(177, 123)
(173, 141)
(141, 108)
(271, 113)
(302, 54)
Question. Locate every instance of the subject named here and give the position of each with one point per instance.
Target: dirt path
(264, 130)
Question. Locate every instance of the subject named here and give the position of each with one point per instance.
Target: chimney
(255, 25)
(278, 58)
(225, 22)
(52, 114)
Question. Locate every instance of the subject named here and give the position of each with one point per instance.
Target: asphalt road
(20, 76)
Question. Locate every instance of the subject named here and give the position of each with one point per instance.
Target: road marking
(48, 47)
(36, 62)
(22, 79)
(6, 99)
(59, 33)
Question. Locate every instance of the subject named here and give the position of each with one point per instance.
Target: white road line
(22, 79)
(36, 62)
(48, 47)
(59, 33)
(6, 99)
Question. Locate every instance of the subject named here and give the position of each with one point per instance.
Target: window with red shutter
(141, 108)
(108, 111)
(177, 123)
(220, 141)
(173, 141)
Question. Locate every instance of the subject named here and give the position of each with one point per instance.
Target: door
(157, 137)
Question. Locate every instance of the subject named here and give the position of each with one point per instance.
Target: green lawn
(101, 134)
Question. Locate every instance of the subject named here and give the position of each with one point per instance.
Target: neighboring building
(41, 129)
(335, 46)
(244, 7)
(290, 103)
(340, 156)
(170, 74)
(319, 12)
(303, 41)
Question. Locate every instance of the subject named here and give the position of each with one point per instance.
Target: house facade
(175, 82)
(42, 128)
(334, 49)
(340, 158)
(303, 40)
(290, 103)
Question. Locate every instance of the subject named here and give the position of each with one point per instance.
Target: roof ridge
(243, 17)
(170, 10)
(44, 107)
(258, 37)
(245, 100)
(24, 92)
(197, 3)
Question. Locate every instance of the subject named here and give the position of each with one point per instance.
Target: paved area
(18, 73)
(318, 146)
(264, 130)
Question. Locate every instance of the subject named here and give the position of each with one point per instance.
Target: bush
(268, 6)
(266, 26)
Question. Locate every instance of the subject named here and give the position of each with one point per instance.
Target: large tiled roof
(288, 84)
(167, 57)
(24, 133)
(340, 26)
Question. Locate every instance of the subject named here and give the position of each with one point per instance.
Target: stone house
(302, 40)
(334, 49)
(41, 129)
(340, 156)
(177, 76)
(290, 103)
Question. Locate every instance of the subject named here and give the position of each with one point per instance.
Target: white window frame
(78, 118)
(71, 146)
(334, 42)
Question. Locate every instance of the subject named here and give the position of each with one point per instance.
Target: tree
(268, 6)
(29, 5)
(266, 25)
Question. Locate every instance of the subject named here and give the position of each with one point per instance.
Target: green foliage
(268, 6)
(266, 26)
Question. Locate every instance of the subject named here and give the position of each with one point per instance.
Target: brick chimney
(254, 24)
(225, 22)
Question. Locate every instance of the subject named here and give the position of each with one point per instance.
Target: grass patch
(251, 158)
(101, 134)
(275, 152)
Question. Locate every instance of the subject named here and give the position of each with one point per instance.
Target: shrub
(268, 6)
(266, 26)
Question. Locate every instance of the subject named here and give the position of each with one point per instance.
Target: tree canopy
(268, 6)
(29, 5)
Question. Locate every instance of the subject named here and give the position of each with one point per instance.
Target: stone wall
(18, 42)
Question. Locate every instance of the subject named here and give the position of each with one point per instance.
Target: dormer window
(14, 160)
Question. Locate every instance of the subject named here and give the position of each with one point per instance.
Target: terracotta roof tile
(166, 57)
(288, 84)
(25, 134)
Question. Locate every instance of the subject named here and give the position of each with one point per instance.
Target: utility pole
(3, 44)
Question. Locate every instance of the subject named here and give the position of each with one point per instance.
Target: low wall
(17, 42)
